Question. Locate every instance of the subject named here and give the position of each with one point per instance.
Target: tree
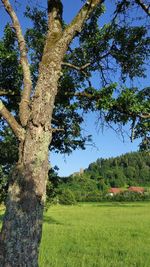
(41, 86)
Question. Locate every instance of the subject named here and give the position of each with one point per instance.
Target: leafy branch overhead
(102, 49)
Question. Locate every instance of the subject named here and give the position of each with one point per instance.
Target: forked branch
(24, 104)
(81, 69)
(15, 126)
(4, 92)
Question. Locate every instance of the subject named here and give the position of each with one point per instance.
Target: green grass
(96, 235)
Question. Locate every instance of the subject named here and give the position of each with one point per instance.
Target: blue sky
(106, 144)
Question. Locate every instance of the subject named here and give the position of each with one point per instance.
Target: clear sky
(106, 144)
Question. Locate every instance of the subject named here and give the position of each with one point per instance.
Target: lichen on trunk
(22, 226)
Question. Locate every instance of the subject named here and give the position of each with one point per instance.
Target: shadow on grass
(50, 220)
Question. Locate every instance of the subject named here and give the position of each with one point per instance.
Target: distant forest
(93, 183)
(125, 170)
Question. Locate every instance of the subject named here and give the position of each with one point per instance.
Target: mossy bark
(22, 226)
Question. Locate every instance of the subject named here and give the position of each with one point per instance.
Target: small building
(136, 189)
(78, 173)
(114, 190)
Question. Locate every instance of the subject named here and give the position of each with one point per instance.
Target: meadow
(96, 235)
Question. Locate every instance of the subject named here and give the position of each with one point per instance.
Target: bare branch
(54, 130)
(81, 69)
(77, 23)
(84, 94)
(4, 92)
(15, 126)
(77, 67)
(24, 104)
(133, 130)
(144, 6)
(144, 115)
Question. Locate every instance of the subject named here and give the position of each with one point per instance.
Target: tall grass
(96, 235)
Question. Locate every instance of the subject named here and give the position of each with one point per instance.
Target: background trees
(131, 169)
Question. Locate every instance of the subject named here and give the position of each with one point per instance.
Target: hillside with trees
(93, 183)
(125, 170)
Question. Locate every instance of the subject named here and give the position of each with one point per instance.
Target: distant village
(115, 190)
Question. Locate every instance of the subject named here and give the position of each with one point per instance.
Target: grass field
(96, 235)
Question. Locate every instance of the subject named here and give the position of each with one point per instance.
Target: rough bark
(22, 226)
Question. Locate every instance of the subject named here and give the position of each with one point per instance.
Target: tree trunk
(22, 226)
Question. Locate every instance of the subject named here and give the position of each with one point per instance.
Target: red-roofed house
(113, 191)
(136, 189)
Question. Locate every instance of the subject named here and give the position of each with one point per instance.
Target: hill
(92, 183)
(128, 169)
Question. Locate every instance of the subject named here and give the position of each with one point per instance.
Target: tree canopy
(119, 45)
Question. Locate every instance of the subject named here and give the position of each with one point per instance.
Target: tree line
(131, 169)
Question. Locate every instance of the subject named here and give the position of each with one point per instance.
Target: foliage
(66, 197)
(127, 196)
(129, 169)
(3, 185)
(103, 47)
(83, 188)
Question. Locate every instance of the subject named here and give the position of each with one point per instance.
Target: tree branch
(144, 115)
(54, 33)
(120, 109)
(55, 10)
(77, 23)
(133, 130)
(15, 126)
(4, 92)
(24, 104)
(84, 94)
(144, 6)
(76, 67)
(82, 68)
(132, 114)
